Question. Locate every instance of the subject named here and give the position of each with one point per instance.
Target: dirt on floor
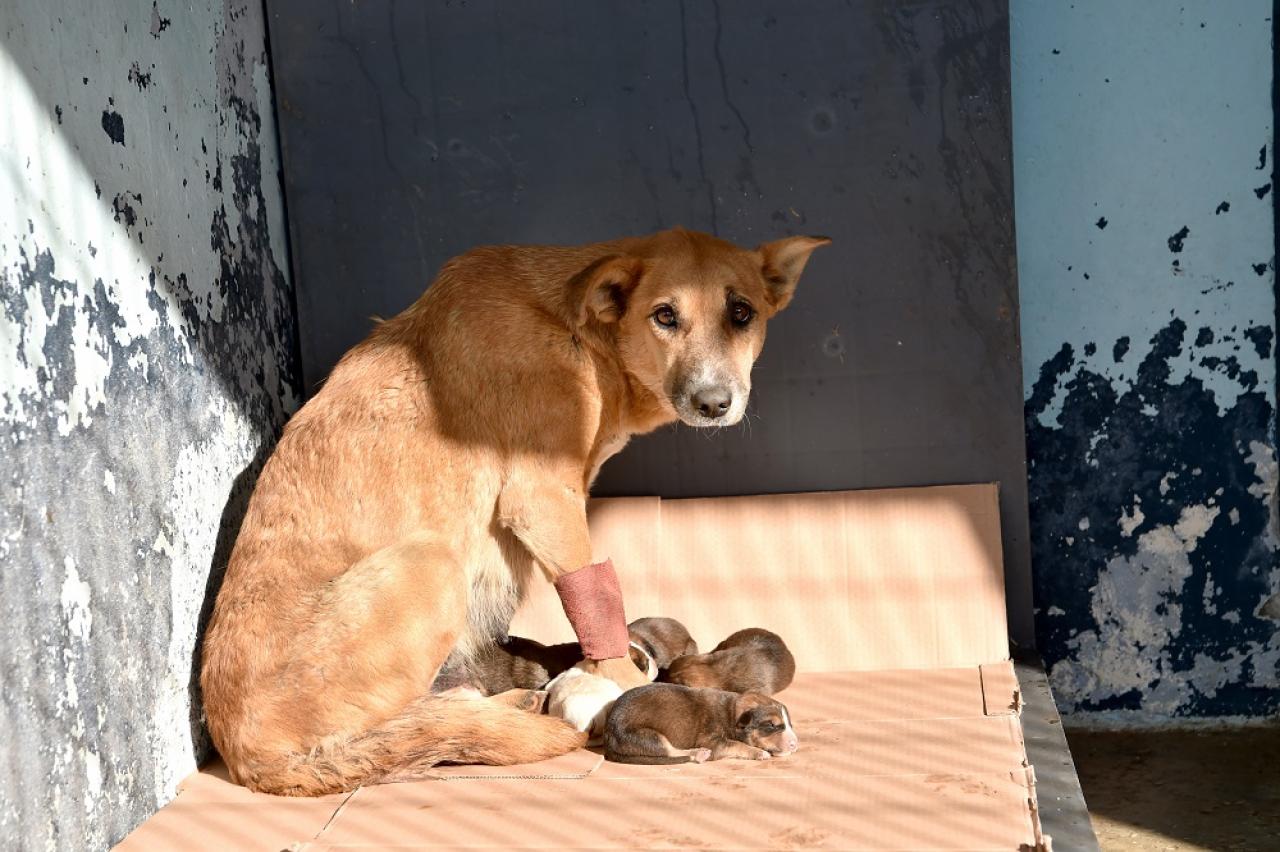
(1182, 790)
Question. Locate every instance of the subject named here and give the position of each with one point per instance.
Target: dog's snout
(712, 402)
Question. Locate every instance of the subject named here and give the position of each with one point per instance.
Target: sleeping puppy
(751, 660)
(582, 699)
(667, 723)
(520, 663)
(666, 639)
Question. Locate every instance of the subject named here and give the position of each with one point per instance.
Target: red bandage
(592, 601)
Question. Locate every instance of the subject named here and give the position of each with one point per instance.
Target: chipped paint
(147, 362)
(1149, 355)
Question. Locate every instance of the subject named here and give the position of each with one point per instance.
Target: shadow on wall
(148, 358)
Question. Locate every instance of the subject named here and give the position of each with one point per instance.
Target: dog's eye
(665, 316)
(741, 313)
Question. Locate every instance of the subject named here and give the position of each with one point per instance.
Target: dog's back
(666, 637)
(751, 660)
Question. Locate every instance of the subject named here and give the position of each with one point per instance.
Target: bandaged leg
(592, 601)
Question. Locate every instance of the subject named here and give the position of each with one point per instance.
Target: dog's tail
(427, 732)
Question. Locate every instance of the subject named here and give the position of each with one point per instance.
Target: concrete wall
(146, 359)
(1143, 169)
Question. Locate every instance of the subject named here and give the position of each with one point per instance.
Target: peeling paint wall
(147, 361)
(1143, 170)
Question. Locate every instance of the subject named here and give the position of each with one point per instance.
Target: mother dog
(403, 512)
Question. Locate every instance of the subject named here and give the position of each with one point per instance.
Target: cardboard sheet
(853, 580)
(906, 706)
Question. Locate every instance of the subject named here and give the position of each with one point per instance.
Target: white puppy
(582, 699)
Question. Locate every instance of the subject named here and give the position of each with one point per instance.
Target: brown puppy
(666, 639)
(443, 465)
(667, 723)
(751, 660)
(520, 663)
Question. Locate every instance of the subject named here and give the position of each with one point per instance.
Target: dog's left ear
(600, 291)
(782, 261)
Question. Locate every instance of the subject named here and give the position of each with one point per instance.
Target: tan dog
(402, 514)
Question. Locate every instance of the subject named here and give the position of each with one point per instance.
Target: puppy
(751, 660)
(582, 699)
(666, 639)
(667, 723)
(520, 663)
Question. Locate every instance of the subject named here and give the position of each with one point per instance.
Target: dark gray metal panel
(413, 131)
(1064, 816)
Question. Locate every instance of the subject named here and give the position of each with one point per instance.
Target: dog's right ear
(600, 291)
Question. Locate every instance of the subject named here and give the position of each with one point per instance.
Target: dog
(665, 638)
(445, 464)
(519, 663)
(751, 660)
(669, 723)
(583, 700)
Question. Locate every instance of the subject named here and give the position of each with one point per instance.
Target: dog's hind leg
(375, 637)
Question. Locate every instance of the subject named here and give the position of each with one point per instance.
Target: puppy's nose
(712, 402)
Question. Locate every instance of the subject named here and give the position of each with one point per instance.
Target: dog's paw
(699, 755)
(763, 755)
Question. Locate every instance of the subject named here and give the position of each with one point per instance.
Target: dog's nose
(712, 402)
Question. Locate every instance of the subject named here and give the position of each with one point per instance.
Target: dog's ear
(600, 291)
(745, 707)
(782, 261)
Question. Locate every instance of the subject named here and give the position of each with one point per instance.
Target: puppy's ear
(782, 261)
(745, 706)
(600, 291)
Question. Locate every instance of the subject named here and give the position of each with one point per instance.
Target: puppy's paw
(699, 755)
(761, 754)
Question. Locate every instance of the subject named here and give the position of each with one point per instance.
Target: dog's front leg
(548, 513)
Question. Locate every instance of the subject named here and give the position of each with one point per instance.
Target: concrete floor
(1182, 790)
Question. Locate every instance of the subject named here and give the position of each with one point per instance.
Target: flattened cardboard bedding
(906, 704)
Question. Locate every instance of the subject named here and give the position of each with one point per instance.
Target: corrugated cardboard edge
(1001, 695)
(1043, 842)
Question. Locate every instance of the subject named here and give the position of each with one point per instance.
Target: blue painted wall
(1143, 167)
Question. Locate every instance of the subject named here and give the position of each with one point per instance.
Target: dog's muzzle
(711, 404)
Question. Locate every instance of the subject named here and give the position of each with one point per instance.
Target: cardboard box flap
(902, 759)
(852, 580)
(1000, 693)
(945, 777)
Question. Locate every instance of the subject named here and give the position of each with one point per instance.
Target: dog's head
(764, 722)
(690, 313)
